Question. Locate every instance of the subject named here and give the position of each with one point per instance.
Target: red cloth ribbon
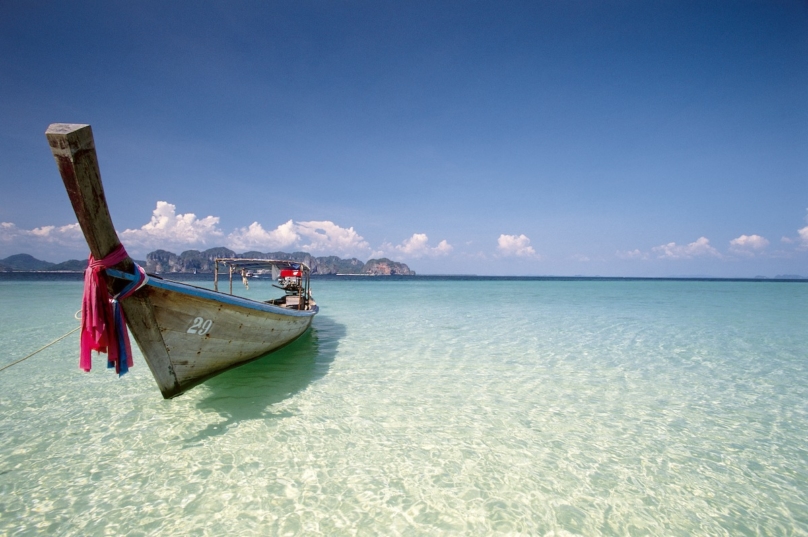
(98, 331)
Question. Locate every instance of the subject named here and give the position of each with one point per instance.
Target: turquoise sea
(428, 406)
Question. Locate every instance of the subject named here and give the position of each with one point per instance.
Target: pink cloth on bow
(97, 323)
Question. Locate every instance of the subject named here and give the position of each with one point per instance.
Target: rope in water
(57, 340)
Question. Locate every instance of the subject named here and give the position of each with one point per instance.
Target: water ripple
(429, 408)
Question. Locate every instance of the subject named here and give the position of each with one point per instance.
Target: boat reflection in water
(248, 392)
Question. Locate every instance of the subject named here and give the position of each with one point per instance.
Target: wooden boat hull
(203, 333)
(186, 333)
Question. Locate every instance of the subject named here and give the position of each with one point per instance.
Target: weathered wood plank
(73, 149)
(143, 326)
(234, 334)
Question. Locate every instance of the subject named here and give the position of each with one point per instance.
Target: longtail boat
(187, 334)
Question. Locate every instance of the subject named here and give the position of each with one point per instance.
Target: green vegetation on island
(28, 263)
(162, 261)
(189, 261)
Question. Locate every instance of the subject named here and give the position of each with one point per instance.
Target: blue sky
(628, 138)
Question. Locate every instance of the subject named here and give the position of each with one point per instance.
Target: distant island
(190, 261)
(28, 263)
(162, 261)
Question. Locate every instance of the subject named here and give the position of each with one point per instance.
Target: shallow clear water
(426, 407)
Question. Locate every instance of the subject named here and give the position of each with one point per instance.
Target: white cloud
(699, 248)
(68, 235)
(169, 230)
(515, 245)
(316, 237)
(255, 237)
(43, 241)
(631, 254)
(748, 244)
(756, 242)
(178, 232)
(418, 246)
(415, 245)
(803, 237)
(327, 237)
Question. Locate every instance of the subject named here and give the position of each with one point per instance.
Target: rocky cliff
(162, 261)
(386, 267)
(165, 262)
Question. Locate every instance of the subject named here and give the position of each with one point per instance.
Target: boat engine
(290, 281)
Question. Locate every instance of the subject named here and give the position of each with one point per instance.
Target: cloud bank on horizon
(169, 230)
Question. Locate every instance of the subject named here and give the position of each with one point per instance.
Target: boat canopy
(237, 264)
(294, 275)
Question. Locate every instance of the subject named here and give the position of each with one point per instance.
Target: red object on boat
(289, 273)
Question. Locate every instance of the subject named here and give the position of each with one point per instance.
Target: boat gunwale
(217, 296)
